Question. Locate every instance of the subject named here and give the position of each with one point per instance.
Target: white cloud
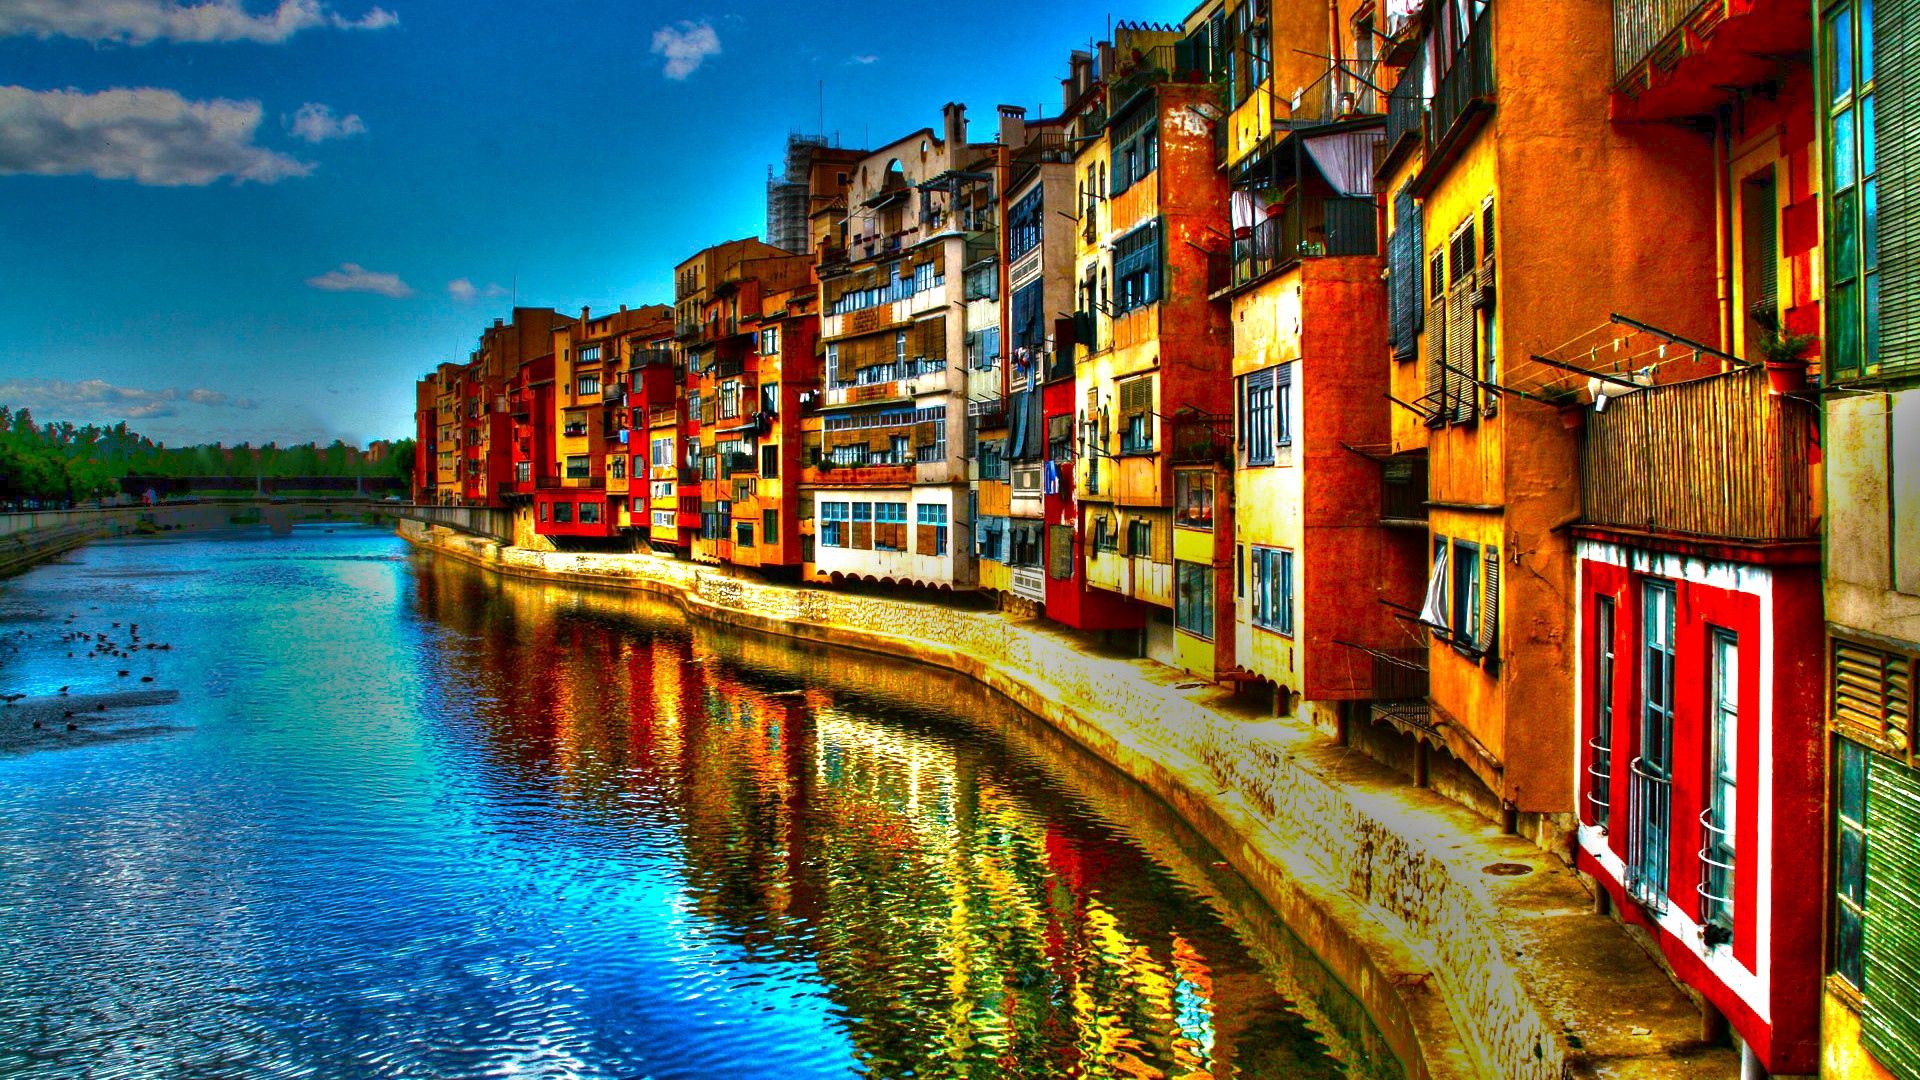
(686, 45)
(141, 22)
(466, 292)
(352, 277)
(98, 398)
(316, 123)
(863, 59)
(149, 136)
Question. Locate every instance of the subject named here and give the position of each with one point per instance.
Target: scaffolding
(788, 202)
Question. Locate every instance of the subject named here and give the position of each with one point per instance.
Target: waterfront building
(726, 292)
(487, 423)
(1697, 545)
(1156, 352)
(446, 443)
(885, 485)
(1312, 454)
(646, 353)
(425, 437)
(534, 467)
(588, 369)
(1867, 75)
(1479, 180)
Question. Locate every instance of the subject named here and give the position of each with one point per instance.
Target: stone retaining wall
(1477, 954)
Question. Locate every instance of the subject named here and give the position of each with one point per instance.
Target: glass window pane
(1867, 164)
(1843, 149)
(1846, 252)
(1853, 781)
(1850, 873)
(1873, 319)
(1870, 223)
(1846, 945)
(1866, 42)
(1840, 52)
(1843, 328)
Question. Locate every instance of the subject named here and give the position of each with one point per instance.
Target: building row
(1516, 391)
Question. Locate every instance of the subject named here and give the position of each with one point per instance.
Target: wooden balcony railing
(1305, 228)
(1642, 27)
(1716, 458)
(1466, 83)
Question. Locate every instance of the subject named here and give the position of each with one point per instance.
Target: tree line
(59, 463)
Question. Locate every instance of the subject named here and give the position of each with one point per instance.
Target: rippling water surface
(407, 820)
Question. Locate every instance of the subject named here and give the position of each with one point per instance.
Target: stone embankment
(1477, 954)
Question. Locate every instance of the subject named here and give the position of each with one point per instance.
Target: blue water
(407, 820)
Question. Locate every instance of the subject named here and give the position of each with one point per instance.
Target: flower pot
(1786, 376)
(1573, 416)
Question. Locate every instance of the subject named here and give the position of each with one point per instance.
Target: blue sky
(164, 254)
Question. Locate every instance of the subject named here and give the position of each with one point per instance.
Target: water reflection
(425, 822)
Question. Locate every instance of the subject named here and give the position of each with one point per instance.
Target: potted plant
(1783, 353)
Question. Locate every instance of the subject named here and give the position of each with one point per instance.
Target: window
(1024, 222)
(1466, 594)
(770, 462)
(933, 529)
(1600, 769)
(562, 513)
(730, 392)
(770, 526)
(543, 511)
(1028, 323)
(981, 281)
(1648, 828)
(833, 524)
(1136, 268)
(1193, 598)
(1136, 416)
(890, 526)
(1136, 147)
(863, 526)
(992, 465)
(1024, 543)
(899, 450)
(743, 533)
(1060, 552)
(936, 450)
(1852, 238)
(617, 466)
(1105, 536)
(1273, 589)
(1849, 861)
(590, 354)
(578, 467)
(769, 341)
(1256, 417)
(1717, 824)
(1283, 405)
(1193, 499)
(1140, 538)
(589, 385)
(983, 348)
(589, 513)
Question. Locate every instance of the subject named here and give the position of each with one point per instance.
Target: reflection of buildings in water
(945, 880)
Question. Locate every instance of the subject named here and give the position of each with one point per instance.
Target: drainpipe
(1002, 172)
(1723, 212)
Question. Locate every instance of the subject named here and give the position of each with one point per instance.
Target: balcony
(1465, 90)
(1403, 490)
(648, 357)
(613, 393)
(574, 430)
(1719, 458)
(1305, 228)
(1674, 58)
(661, 415)
(1201, 439)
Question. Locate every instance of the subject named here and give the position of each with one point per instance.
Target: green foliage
(59, 462)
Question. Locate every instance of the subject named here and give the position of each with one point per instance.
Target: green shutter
(1896, 34)
(1890, 1022)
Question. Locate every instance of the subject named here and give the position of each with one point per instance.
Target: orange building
(588, 371)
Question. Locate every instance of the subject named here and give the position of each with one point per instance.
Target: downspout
(1002, 171)
(1723, 197)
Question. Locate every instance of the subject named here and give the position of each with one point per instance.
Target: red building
(1700, 705)
(1070, 601)
(530, 405)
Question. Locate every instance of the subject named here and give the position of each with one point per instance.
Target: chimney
(1013, 125)
(499, 322)
(586, 313)
(955, 115)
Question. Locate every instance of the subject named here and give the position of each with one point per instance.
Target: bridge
(29, 536)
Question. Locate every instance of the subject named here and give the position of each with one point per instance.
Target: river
(406, 819)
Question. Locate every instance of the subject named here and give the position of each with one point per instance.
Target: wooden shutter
(1136, 396)
(1896, 38)
(1437, 342)
(1462, 326)
(1489, 643)
(925, 540)
(1060, 552)
(1872, 695)
(1890, 945)
(1404, 270)
(932, 338)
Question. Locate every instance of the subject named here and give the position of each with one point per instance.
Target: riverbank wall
(31, 537)
(1477, 954)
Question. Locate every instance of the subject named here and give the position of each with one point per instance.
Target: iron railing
(1467, 82)
(1649, 806)
(1407, 102)
(1600, 776)
(1305, 228)
(1641, 27)
(1715, 888)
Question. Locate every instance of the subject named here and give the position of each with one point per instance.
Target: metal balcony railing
(1600, 781)
(1715, 888)
(1406, 102)
(1305, 228)
(1649, 808)
(1467, 82)
(1642, 27)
